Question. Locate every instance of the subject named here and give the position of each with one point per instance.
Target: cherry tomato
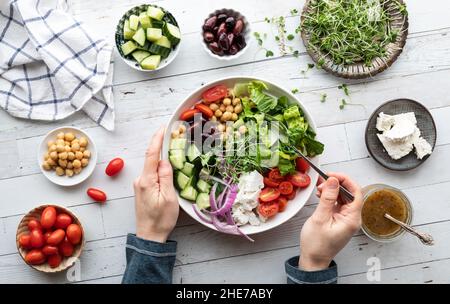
(114, 166)
(62, 221)
(301, 180)
(74, 233)
(268, 210)
(47, 235)
(275, 175)
(50, 250)
(37, 238)
(34, 224)
(24, 241)
(48, 217)
(291, 196)
(286, 188)
(56, 237)
(188, 114)
(269, 194)
(204, 109)
(215, 94)
(282, 203)
(54, 260)
(35, 257)
(96, 195)
(66, 248)
(270, 183)
(301, 164)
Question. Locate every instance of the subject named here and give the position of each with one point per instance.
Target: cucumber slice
(182, 181)
(178, 144)
(189, 193)
(188, 169)
(163, 41)
(127, 32)
(145, 20)
(202, 201)
(157, 24)
(192, 153)
(172, 33)
(153, 34)
(159, 50)
(128, 47)
(203, 186)
(155, 12)
(134, 22)
(140, 55)
(204, 174)
(177, 162)
(139, 37)
(145, 47)
(151, 62)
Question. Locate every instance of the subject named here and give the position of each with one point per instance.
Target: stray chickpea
(77, 170)
(50, 143)
(87, 154)
(78, 155)
(226, 116)
(63, 155)
(76, 164)
(175, 133)
(69, 136)
(46, 166)
(238, 109)
(213, 106)
(69, 165)
(223, 108)
(227, 101)
(67, 148)
(69, 172)
(84, 162)
(52, 148)
(51, 162)
(242, 129)
(70, 156)
(62, 163)
(75, 147)
(59, 171)
(60, 135)
(234, 117)
(60, 148)
(218, 113)
(83, 142)
(230, 109)
(182, 128)
(236, 101)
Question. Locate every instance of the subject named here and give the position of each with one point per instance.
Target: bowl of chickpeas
(67, 156)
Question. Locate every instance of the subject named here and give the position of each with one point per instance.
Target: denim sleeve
(297, 276)
(149, 262)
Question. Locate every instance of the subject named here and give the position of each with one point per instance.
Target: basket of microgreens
(354, 38)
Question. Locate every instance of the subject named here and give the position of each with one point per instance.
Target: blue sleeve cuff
(297, 276)
(151, 248)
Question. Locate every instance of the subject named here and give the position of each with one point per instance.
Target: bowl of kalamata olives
(225, 34)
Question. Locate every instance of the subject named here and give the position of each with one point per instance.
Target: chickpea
(226, 116)
(46, 166)
(234, 117)
(182, 128)
(230, 109)
(59, 171)
(67, 148)
(69, 165)
(69, 172)
(60, 142)
(214, 118)
(69, 136)
(63, 155)
(238, 109)
(218, 113)
(242, 129)
(75, 147)
(50, 143)
(60, 135)
(227, 101)
(78, 155)
(70, 156)
(87, 154)
(62, 163)
(214, 106)
(175, 133)
(52, 148)
(77, 170)
(236, 101)
(60, 148)
(221, 127)
(54, 155)
(75, 141)
(183, 135)
(76, 164)
(83, 142)
(222, 107)
(67, 143)
(46, 155)
(51, 162)
(82, 149)
(84, 162)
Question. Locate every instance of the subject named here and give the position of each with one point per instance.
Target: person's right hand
(332, 225)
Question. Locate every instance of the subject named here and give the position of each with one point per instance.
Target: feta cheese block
(402, 130)
(423, 148)
(385, 122)
(396, 150)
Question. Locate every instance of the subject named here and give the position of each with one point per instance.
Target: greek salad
(232, 155)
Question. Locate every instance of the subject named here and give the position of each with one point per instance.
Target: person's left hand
(156, 199)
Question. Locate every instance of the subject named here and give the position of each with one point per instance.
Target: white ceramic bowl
(246, 33)
(294, 206)
(119, 38)
(65, 180)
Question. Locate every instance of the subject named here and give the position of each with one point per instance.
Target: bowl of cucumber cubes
(148, 37)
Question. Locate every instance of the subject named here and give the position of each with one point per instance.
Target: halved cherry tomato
(35, 257)
(270, 183)
(96, 194)
(282, 203)
(62, 221)
(268, 210)
(291, 196)
(301, 180)
(24, 241)
(269, 194)
(36, 238)
(215, 94)
(34, 224)
(54, 260)
(74, 233)
(188, 114)
(114, 166)
(48, 217)
(275, 175)
(301, 164)
(204, 109)
(56, 237)
(286, 188)
(50, 250)
(66, 248)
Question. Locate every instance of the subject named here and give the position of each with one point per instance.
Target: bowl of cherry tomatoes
(50, 238)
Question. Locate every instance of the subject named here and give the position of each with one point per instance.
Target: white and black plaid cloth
(51, 66)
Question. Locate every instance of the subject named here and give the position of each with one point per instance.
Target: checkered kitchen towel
(51, 66)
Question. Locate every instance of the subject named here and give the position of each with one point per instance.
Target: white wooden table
(145, 101)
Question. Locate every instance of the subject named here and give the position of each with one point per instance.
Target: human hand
(156, 201)
(332, 225)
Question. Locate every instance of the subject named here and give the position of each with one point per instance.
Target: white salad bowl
(294, 206)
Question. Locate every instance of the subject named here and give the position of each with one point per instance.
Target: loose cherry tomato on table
(282, 203)
(204, 109)
(37, 238)
(74, 234)
(301, 180)
(275, 175)
(35, 257)
(215, 94)
(56, 237)
(97, 195)
(62, 221)
(286, 188)
(188, 114)
(54, 260)
(24, 241)
(301, 164)
(270, 183)
(34, 224)
(269, 194)
(114, 166)
(269, 209)
(50, 250)
(65, 248)
(48, 217)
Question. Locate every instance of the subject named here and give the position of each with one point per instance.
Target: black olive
(221, 18)
(223, 42)
(230, 22)
(233, 49)
(210, 23)
(208, 36)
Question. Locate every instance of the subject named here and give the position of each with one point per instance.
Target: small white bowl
(246, 33)
(65, 180)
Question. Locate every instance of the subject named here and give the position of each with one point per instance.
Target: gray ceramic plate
(425, 123)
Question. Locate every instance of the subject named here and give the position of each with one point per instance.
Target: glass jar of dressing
(379, 199)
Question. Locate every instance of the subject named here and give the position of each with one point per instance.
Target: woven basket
(360, 70)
